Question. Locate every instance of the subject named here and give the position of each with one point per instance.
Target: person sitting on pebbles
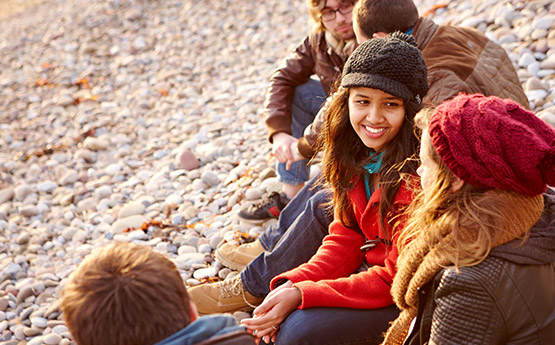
(477, 255)
(294, 98)
(303, 223)
(128, 294)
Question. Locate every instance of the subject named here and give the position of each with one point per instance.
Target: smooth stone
(65, 100)
(39, 321)
(52, 339)
(253, 193)
(21, 192)
(548, 117)
(131, 209)
(534, 83)
(526, 59)
(47, 186)
(95, 144)
(6, 194)
(22, 238)
(210, 178)
(69, 177)
(3, 325)
(102, 192)
(137, 235)
(548, 63)
(542, 23)
(113, 169)
(205, 273)
(129, 222)
(205, 248)
(177, 219)
(174, 199)
(186, 260)
(188, 160)
(4, 303)
(28, 210)
(87, 204)
(186, 249)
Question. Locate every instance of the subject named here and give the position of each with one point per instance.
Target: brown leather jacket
(459, 60)
(313, 56)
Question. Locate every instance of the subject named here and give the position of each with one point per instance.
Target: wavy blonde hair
(461, 225)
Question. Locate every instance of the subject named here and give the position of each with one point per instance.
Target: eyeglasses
(329, 14)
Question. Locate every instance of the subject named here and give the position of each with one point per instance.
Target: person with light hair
(477, 255)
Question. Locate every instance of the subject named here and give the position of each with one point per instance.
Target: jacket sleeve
(465, 312)
(294, 71)
(327, 280)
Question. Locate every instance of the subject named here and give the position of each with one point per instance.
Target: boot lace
(234, 287)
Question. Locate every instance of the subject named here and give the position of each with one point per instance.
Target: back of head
(494, 143)
(123, 294)
(385, 15)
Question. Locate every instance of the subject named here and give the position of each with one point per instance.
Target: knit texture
(494, 143)
(420, 261)
(392, 64)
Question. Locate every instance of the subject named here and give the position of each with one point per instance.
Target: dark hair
(125, 294)
(345, 155)
(385, 15)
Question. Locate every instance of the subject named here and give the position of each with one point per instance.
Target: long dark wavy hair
(345, 156)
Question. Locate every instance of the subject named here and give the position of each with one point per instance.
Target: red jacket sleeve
(330, 278)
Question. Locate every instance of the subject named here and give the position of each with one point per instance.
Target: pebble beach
(142, 121)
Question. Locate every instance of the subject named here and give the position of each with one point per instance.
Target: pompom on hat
(392, 64)
(494, 143)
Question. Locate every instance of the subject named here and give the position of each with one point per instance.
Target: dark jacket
(459, 60)
(210, 330)
(313, 56)
(509, 298)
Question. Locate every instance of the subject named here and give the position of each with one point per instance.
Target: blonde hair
(461, 225)
(125, 294)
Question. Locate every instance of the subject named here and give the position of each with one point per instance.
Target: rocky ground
(141, 121)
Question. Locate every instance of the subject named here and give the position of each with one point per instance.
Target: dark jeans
(335, 326)
(307, 101)
(295, 238)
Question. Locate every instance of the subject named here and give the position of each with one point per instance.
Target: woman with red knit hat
(476, 263)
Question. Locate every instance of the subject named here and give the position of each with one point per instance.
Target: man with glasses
(294, 98)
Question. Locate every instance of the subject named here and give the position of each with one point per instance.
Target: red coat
(329, 278)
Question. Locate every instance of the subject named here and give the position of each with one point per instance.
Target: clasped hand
(274, 309)
(285, 149)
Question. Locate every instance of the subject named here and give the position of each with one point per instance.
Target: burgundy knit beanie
(494, 143)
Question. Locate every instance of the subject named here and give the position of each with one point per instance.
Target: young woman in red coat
(342, 295)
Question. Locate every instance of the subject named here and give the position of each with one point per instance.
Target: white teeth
(374, 130)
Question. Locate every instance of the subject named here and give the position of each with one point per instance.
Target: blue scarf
(372, 168)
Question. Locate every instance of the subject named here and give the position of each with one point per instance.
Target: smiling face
(342, 26)
(376, 116)
(428, 168)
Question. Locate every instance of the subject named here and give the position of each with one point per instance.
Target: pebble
(155, 117)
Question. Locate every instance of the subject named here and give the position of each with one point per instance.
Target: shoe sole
(228, 263)
(253, 221)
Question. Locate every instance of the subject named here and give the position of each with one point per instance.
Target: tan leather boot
(227, 296)
(238, 257)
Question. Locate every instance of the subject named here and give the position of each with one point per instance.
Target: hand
(296, 155)
(282, 143)
(276, 307)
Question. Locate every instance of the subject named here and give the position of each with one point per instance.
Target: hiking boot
(227, 296)
(269, 207)
(238, 256)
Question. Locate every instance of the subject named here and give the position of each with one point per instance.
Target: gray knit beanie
(392, 64)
